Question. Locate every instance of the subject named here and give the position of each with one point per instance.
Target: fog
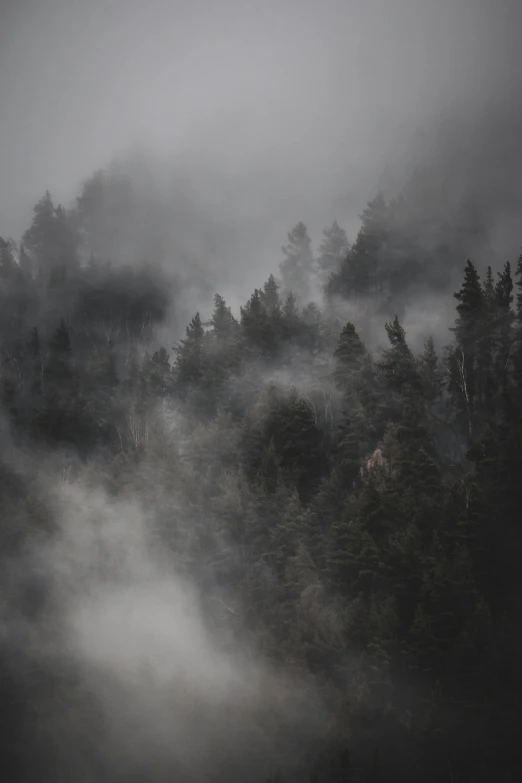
(123, 656)
(164, 589)
(261, 114)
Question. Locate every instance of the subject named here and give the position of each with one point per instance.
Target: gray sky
(276, 111)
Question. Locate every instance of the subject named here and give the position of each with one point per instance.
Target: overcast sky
(284, 110)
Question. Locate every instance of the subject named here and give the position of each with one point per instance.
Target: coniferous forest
(346, 509)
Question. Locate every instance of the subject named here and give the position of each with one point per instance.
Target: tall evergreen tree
(333, 250)
(157, 374)
(190, 360)
(297, 266)
(397, 365)
(470, 306)
(469, 361)
(223, 324)
(431, 373)
(222, 345)
(51, 241)
(488, 287)
(349, 355)
(269, 296)
(504, 288)
(361, 272)
(503, 327)
(260, 334)
(291, 320)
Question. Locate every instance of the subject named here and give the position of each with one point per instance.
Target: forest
(346, 508)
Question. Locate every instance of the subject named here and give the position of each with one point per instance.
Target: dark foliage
(362, 510)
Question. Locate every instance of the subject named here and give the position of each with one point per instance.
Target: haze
(263, 113)
(260, 527)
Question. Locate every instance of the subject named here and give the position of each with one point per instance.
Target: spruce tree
(260, 335)
(333, 250)
(469, 361)
(190, 360)
(223, 324)
(488, 287)
(158, 375)
(360, 273)
(503, 328)
(349, 356)
(269, 296)
(290, 320)
(431, 373)
(397, 365)
(504, 288)
(470, 307)
(51, 241)
(297, 266)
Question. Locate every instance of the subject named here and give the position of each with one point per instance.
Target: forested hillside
(350, 517)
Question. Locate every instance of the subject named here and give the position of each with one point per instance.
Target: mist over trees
(348, 516)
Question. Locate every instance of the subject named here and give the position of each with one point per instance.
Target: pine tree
(397, 365)
(431, 374)
(41, 231)
(269, 296)
(488, 287)
(349, 355)
(365, 260)
(469, 361)
(354, 438)
(299, 441)
(503, 326)
(291, 322)
(92, 215)
(223, 324)
(190, 360)
(288, 436)
(470, 307)
(333, 250)
(504, 288)
(222, 344)
(107, 217)
(260, 334)
(297, 266)
(51, 241)
(375, 222)
(160, 374)
(361, 272)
